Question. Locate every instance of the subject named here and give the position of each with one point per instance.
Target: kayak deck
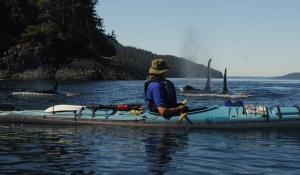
(246, 116)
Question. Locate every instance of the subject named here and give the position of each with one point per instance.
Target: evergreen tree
(63, 23)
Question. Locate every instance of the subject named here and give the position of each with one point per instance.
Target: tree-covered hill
(71, 27)
(41, 39)
(140, 61)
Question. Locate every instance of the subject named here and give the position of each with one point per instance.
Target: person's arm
(163, 111)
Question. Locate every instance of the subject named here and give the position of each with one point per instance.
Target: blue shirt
(160, 93)
(156, 93)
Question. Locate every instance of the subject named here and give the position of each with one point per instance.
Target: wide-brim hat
(158, 66)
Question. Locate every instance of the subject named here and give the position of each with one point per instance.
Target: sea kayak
(233, 115)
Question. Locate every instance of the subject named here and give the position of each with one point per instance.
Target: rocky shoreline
(32, 62)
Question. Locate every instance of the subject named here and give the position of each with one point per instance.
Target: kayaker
(160, 93)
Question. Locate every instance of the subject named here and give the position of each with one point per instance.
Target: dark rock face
(28, 62)
(85, 69)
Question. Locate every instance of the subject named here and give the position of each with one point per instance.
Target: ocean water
(50, 149)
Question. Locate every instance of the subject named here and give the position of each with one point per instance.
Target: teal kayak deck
(247, 116)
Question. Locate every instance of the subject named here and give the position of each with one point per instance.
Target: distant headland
(291, 76)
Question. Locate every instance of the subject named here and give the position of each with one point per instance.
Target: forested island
(43, 39)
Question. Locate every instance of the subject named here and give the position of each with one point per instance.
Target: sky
(248, 37)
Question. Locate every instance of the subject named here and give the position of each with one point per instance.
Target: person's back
(160, 93)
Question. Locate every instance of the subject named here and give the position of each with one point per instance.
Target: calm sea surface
(40, 149)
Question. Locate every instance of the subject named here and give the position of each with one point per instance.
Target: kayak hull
(204, 117)
(228, 125)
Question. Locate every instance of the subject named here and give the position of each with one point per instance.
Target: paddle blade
(64, 108)
(180, 118)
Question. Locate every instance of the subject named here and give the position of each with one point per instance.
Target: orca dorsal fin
(208, 78)
(56, 84)
(225, 86)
